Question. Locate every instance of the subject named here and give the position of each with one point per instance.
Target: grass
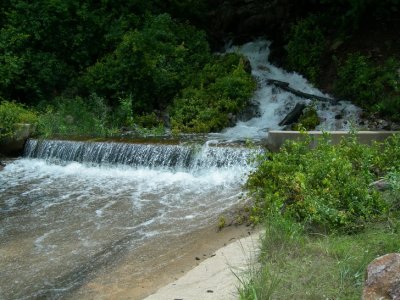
(295, 264)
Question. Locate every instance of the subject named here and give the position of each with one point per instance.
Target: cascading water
(274, 103)
(70, 211)
(67, 209)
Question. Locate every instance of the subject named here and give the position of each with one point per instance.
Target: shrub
(223, 87)
(308, 120)
(151, 65)
(326, 187)
(75, 116)
(376, 88)
(305, 47)
(12, 113)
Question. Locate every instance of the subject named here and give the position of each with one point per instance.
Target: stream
(71, 211)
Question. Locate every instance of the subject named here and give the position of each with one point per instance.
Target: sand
(215, 277)
(164, 262)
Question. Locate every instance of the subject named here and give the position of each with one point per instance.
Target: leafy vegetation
(12, 113)
(324, 222)
(92, 69)
(371, 86)
(305, 47)
(326, 187)
(223, 87)
(308, 120)
(345, 40)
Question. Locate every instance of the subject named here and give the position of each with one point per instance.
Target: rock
(14, 145)
(250, 111)
(294, 115)
(383, 278)
(2, 165)
(338, 117)
(380, 185)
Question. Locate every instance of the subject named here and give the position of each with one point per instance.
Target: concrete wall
(276, 138)
(14, 146)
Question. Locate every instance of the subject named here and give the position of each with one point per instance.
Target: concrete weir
(14, 145)
(276, 138)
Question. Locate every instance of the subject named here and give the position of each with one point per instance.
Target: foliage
(46, 44)
(305, 47)
(308, 120)
(150, 65)
(373, 87)
(326, 187)
(12, 113)
(350, 14)
(223, 87)
(297, 265)
(75, 116)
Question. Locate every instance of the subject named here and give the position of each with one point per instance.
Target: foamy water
(70, 211)
(275, 103)
(63, 220)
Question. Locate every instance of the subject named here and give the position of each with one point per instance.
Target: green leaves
(152, 64)
(373, 87)
(327, 187)
(223, 87)
(305, 47)
(12, 113)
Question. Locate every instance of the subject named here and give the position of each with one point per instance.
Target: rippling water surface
(62, 220)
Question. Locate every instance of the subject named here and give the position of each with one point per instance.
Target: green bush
(376, 88)
(305, 48)
(223, 87)
(12, 113)
(308, 120)
(326, 187)
(75, 116)
(151, 65)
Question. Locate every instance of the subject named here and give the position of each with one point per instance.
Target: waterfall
(155, 156)
(274, 103)
(73, 211)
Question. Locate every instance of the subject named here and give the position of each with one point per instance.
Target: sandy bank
(214, 278)
(160, 263)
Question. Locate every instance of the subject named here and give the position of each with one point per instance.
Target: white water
(78, 207)
(275, 103)
(68, 209)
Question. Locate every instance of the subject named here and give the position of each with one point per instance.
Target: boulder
(294, 115)
(380, 185)
(383, 278)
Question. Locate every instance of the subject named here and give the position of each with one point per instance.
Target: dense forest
(93, 68)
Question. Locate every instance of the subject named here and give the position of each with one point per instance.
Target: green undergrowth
(324, 221)
(221, 89)
(12, 113)
(327, 47)
(299, 265)
(326, 187)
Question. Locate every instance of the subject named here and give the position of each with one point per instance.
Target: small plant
(221, 222)
(12, 113)
(308, 120)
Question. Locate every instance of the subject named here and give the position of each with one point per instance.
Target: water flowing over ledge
(79, 209)
(70, 211)
(191, 158)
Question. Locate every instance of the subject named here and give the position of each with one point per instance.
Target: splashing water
(70, 208)
(275, 103)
